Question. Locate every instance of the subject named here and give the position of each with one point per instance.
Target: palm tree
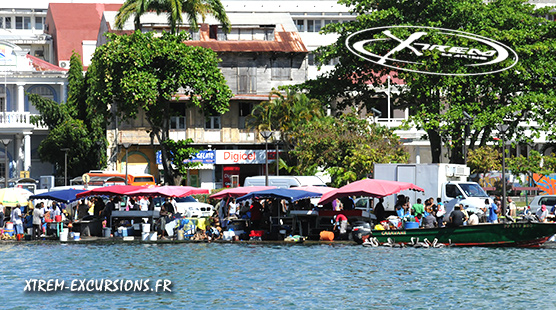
(284, 113)
(174, 10)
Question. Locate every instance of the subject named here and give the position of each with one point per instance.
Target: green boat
(529, 234)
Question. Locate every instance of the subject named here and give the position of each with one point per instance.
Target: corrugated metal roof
(285, 42)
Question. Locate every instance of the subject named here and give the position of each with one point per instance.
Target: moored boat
(527, 234)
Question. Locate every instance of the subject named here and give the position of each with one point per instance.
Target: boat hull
(510, 234)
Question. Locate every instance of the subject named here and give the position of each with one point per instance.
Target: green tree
(535, 163)
(437, 103)
(174, 10)
(284, 112)
(484, 159)
(346, 147)
(178, 153)
(140, 72)
(71, 125)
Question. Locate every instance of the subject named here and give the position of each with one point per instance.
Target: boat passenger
(473, 218)
(429, 221)
(441, 211)
(542, 214)
(379, 210)
(418, 208)
(456, 217)
(492, 213)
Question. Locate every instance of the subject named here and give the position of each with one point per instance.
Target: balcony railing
(17, 120)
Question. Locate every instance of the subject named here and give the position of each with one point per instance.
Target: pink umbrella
(370, 188)
(109, 190)
(315, 189)
(239, 191)
(168, 191)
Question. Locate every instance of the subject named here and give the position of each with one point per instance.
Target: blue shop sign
(204, 157)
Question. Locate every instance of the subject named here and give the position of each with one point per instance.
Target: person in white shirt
(232, 209)
(473, 219)
(144, 203)
(17, 220)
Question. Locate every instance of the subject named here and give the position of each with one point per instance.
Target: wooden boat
(528, 234)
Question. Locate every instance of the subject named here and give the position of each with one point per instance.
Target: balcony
(17, 121)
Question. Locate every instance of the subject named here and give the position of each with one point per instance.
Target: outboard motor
(360, 230)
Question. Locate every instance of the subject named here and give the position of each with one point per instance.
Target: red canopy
(168, 191)
(109, 190)
(239, 191)
(370, 188)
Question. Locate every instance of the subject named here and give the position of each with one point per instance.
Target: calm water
(240, 276)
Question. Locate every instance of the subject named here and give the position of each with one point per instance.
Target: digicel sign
(225, 157)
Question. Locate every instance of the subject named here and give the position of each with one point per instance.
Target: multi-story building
(261, 52)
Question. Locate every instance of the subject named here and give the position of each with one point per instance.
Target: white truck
(284, 181)
(447, 181)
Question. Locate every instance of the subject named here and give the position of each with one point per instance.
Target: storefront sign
(204, 157)
(412, 48)
(227, 157)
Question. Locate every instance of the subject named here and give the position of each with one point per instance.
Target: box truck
(447, 181)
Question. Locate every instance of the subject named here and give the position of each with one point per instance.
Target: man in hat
(542, 214)
(340, 225)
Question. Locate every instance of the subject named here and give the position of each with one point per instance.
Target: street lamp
(266, 135)
(65, 150)
(126, 146)
(502, 128)
(6, 168)
(277, 157)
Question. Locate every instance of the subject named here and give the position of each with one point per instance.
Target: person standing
(38, 215)
(340, 225)
(457, 217)
(492, 213)
(440, 212)
(379, 210)
(512, 207)
(2, 214)
(232, 209)
(418, 208)
(17, 221)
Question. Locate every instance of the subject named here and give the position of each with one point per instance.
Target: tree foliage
(173, 10)
(71, 125)
(484, 159)
(142, 72)
(535, 163)
(347, 147)
(437, 103)
(178, 153)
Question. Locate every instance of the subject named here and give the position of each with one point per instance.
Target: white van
(285, 181)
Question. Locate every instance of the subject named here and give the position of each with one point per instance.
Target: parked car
(190, 207)
(548, 200)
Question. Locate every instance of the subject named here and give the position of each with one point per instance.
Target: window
(177, 122)
(43, 91)
(18, 22)
(318, 25)
(281, 69)
(247, 80)
(310, 26)
(27, 22)
(213, 122)
(311, 59)
(245, 109)
(1, 22)
(39, 23)
(452, 191)
(195, 35)
(300, 23)
(8, 22)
